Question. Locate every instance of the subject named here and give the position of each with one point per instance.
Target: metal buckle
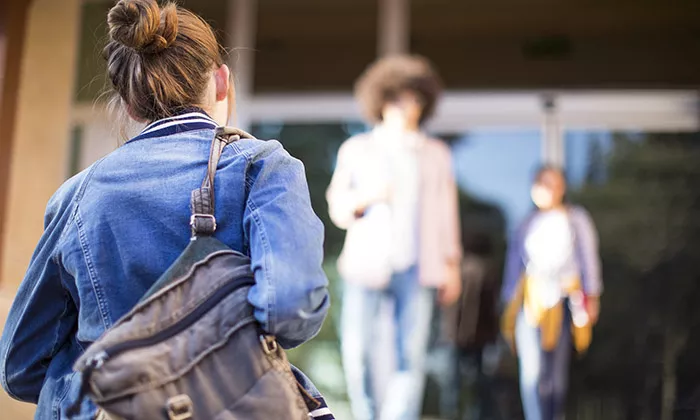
(269, 344)
(179, 407)
(194, 217)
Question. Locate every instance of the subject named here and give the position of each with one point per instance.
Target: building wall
(12, 30)
(40, 142)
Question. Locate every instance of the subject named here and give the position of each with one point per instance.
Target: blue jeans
(544, 375)
(413, 308)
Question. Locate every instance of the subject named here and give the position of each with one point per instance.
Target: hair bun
(143, 25)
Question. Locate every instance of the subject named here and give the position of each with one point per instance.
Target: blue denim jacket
(113, 229)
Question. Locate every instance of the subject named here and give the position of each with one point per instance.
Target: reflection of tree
(595, 170)
(481, 221)
(484, 236)
(648, 214)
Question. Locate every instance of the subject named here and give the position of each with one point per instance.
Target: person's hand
(451, 289)
(593, 308)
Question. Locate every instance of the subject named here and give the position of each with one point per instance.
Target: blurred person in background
(394, 191)
(552, 284)
(467, 330)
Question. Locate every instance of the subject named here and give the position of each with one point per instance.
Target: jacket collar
(188, 120)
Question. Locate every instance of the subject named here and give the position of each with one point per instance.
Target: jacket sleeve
(342, 198)
(588, 254)
(451, 221)
(290, 295)
(41, 318)
(514, 265)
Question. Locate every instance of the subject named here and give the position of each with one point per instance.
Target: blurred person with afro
(394, 192)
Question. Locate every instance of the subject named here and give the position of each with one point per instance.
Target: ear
(222, 76)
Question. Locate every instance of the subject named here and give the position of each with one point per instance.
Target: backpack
(191, 348)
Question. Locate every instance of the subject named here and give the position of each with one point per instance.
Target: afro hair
(384, 80)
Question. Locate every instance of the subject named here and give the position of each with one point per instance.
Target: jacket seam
(61, 317)
(5, 384)
(267, 260)
(236, 149)
(267, 267)
(76, 200)
(56, 404)
(86, 181)
(99, 294)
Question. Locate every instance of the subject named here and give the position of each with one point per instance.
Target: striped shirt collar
(188, 120)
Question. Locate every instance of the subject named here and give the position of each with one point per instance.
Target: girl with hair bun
(113, 229)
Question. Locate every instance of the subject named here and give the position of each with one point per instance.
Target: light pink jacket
(439, 231)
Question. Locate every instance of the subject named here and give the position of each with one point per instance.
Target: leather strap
(202, 219)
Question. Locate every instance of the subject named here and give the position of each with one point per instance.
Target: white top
(403, 176)
(550, 255)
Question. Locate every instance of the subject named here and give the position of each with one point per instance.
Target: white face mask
(542, 197)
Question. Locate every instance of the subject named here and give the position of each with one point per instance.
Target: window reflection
(641, 189)
(496, 166)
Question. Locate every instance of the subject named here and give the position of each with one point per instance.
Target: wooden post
(13, 18)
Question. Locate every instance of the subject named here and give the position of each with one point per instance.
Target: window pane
(641, 189)
(496, 167)
(93, 36)
(313, 45)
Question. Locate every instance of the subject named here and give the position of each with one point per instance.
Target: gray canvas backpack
(191, 348)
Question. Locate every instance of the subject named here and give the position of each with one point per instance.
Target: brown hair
(159, 59)
(548, 167)
(386, 79)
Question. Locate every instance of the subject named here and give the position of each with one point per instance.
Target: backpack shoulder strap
(202, 219)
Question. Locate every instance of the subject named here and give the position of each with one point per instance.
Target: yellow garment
(549, 320)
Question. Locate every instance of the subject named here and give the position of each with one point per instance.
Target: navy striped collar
(191, 119)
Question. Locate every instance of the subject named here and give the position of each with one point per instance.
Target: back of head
(159, 58)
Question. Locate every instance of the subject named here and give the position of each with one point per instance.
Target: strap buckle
(269, 344)
(179, 407)
(193, 219)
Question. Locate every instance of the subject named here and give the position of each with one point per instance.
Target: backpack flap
(175, 326)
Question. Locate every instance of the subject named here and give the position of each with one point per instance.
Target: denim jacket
(113, 229)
